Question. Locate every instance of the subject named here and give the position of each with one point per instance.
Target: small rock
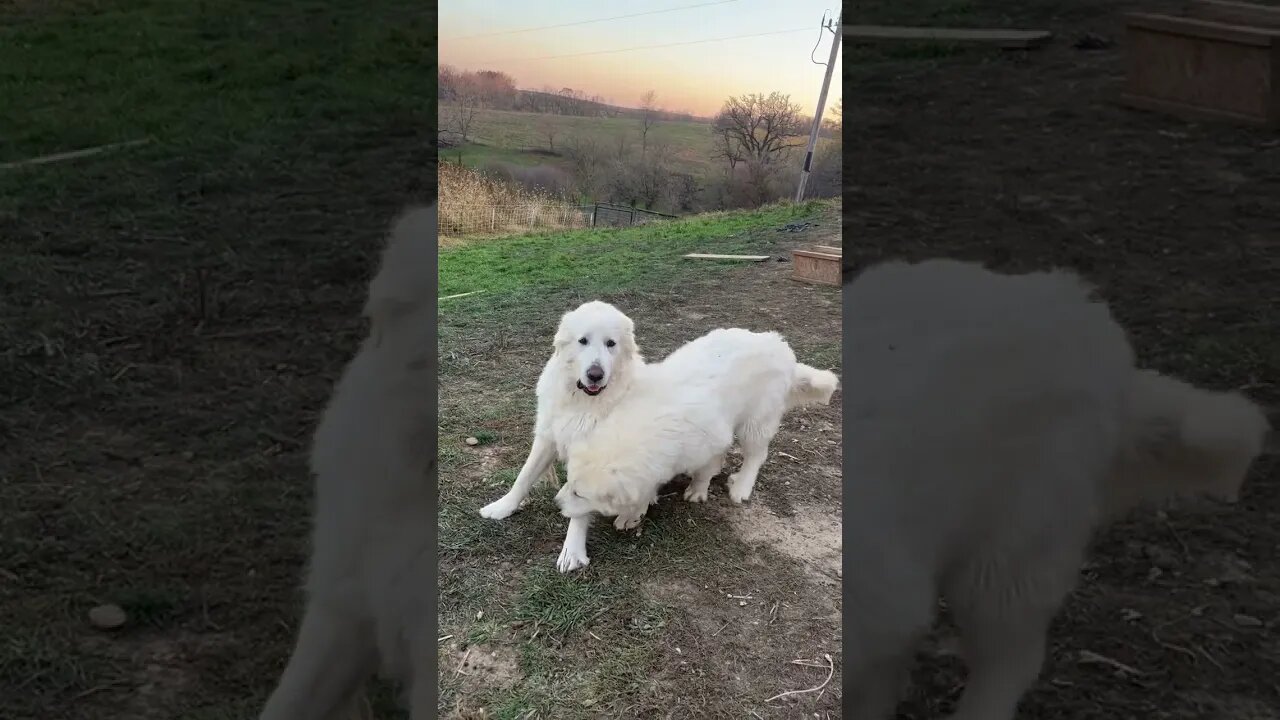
(1092, 41)
(1247, 620)
(472, 441)
(107, 617)
(742, 603)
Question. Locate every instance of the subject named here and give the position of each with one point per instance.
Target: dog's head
(597, 343)
(597, 483)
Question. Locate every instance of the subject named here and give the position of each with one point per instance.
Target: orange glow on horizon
(694, 78)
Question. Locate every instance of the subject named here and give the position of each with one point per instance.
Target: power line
(652, 47)
(588, 22)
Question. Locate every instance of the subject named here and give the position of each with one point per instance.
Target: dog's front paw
(499, 509)
(738, 490)
(696, 495)
(571, 559)
(626, 523)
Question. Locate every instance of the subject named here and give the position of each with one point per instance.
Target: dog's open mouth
(591, 390)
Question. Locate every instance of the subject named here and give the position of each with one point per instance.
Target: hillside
(540, 143)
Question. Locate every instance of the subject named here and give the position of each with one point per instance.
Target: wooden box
(1219, 61)
(820, 265)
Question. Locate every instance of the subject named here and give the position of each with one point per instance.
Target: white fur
(567, 412)
(370, 559)
(683, 418)
(994, 423)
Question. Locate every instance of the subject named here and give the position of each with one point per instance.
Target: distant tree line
(495, 90)
(758, 138)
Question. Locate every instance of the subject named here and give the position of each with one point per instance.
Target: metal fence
(456, 220)
(623, 215)
(462, 219)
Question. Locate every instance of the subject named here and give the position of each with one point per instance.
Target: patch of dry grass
(474, 203)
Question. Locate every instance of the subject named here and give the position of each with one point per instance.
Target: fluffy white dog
(594, 363)
(371, 558)
(996, 421)
(683, 418)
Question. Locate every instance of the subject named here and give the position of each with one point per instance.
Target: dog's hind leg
(754, 440)
(541, 457)
(1002, 623)
(701, 483)
(891, 607)
(334, 655)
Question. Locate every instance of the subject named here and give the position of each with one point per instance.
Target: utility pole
(817, 116)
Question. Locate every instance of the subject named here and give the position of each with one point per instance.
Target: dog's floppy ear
(628, 339)
(562, 337)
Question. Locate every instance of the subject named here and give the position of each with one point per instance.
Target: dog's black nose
(595, 374)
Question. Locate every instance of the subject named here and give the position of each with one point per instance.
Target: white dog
(594, 364)
(683, 418)
(371, 558)
(996, 421)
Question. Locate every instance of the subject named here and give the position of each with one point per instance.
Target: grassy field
(172, 317)
(701, 612)
(521, 138)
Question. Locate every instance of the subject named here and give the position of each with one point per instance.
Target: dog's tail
(1179, 440)
(401, 284)
(811, 386)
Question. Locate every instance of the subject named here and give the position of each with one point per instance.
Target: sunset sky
(694, 78)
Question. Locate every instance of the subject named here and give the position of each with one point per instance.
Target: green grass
(283, 137)
(591, 261)
(598, 642)
(231, 78)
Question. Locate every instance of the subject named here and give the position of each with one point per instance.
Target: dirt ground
(1025, 161)
(731, 596)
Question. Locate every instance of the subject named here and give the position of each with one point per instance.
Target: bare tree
(648, 118)
(651, 177)
(496, 89)
(834, 122)
(727, 148)
(762, 128)
(586, 158)
(466, 104)
(447, 79)
(549, 129)
(759, 131)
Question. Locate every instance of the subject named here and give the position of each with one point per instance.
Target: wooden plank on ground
(72, 155)
(450, 297)
(749, 258)
(1008, 39)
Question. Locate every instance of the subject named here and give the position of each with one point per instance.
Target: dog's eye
(575, 494)
(609, 343)
(582, 341)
